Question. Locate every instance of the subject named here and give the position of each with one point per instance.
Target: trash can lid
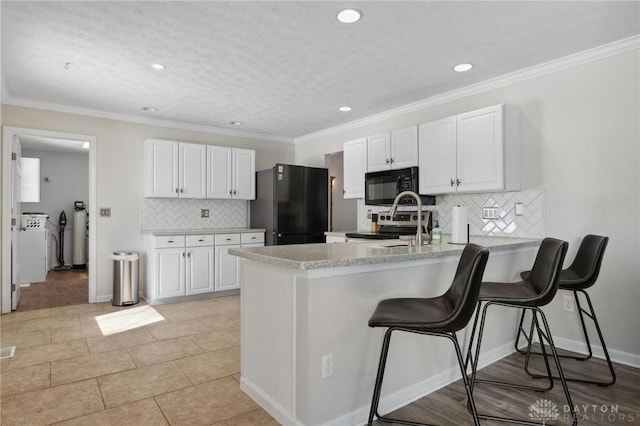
(125, 255)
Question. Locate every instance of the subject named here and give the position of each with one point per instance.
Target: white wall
(68, 175)
(119, 175)
(580, 141)
(344, 211)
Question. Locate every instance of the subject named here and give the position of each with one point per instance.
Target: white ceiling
(282, 68)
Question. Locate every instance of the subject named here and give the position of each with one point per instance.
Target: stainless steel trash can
(125, 278)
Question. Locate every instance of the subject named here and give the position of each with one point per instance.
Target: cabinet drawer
(199, 240)
(169, 241)
(226, 239)
(252, 237)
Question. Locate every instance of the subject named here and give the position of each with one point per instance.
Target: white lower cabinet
(185, 265)
(226, 264)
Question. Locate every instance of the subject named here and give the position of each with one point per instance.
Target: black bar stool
(582, 274)
(537, 290)
(438, 316)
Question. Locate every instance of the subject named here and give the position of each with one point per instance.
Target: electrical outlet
(490, 213)
(519, 209)
(568, 303)
(105, 211)
(327, 366)
(204, 212)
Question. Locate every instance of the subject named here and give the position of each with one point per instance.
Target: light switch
(105, 211)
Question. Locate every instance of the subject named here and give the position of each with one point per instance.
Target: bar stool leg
(378, 385)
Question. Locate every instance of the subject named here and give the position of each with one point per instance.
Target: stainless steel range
(403, 223)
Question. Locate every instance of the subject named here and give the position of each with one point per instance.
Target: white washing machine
(33, 253)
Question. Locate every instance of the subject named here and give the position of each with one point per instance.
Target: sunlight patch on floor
(118, 322)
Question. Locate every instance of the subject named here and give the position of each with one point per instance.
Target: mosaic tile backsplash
(530, 225)
(172, 213)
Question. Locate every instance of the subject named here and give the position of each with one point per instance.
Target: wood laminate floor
(62, 288)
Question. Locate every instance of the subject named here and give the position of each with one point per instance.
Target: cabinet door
(379, 152)
(437, 157)
(193, 173)
(226, 269)
(218, 172)
(161, 168)
(170, 272)
(354, 168)
(480, 150)
(404, 148)
(243, 172)
(200, 267)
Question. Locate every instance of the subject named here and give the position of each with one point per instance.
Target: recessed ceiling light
(349, 16)
(462, 67)
(345, 108)
(236, 123)
(150, 109)
(157, 66)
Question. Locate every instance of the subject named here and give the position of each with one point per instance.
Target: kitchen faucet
(394, 207)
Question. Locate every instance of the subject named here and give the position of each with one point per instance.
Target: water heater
(80, 236)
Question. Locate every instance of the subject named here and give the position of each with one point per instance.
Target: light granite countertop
(368, 252)
(205, 231)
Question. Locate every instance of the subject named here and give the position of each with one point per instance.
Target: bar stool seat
(537, 290)
(580, 275)
(438, 316)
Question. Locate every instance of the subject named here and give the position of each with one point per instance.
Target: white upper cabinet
(230, 173)
(192, 170)
(244, 169)
(379, 152)
(219, 172)
(476, 151)
(174, 169)
(354, 167)
(393, 150)
(437, 157)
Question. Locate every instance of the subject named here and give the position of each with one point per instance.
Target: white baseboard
(103, 298)
(621, 357)
(274, 409)
(406, 396)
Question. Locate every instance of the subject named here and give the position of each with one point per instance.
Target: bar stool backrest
(546, 270)
(464, 290)
(585, 268)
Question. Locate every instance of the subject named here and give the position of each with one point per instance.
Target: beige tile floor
(182, 370)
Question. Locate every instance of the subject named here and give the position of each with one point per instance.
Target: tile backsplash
(172, 213)
(529, 225)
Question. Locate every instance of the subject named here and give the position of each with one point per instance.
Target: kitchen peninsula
(308, 356)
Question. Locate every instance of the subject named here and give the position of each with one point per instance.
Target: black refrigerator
(291, 204)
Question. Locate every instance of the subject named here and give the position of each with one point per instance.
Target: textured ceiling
(282, 68)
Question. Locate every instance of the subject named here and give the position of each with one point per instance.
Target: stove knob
(415, 217)
(388, 217)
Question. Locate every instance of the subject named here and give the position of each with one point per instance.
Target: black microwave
(381, 188)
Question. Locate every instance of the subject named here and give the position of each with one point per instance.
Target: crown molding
(590, 55)
(27, 103)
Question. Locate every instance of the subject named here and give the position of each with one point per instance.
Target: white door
(437, 157)
(218, 172)
(354, 167)
(379, 152)
(161, 169)
(226, 269)
(480, 150)
(199, 270)
(16, 151)
(244, 171)
(193, 172)
(404, 147)
(170, 274)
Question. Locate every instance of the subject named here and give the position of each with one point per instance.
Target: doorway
(55, 147)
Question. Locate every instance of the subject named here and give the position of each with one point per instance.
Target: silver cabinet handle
(392, 161)
(171, 241)
(234, 192)
(188, 254)
(176, 190)
(201, 240)
(228, 239)
(452, 182)
(458, 182)
(181, 190)
(230, 192)
(253, 238)
(387, 161)
(182, 254)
